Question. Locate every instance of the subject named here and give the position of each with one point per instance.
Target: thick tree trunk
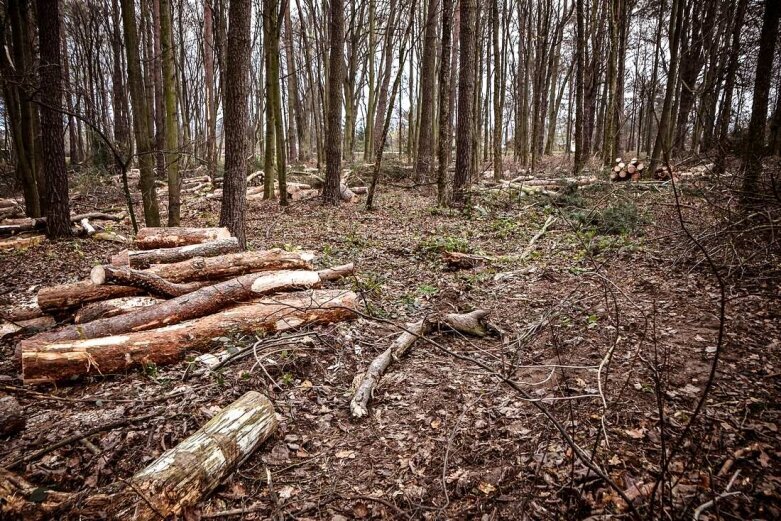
(153, 238)
(112, 308)
(234, 200)
(67, 296)
(144, 258)
(204, 301)
(52, 143)
(45, 361)
(333, 149)
(232, 265)
(428, 89)
(466, 91)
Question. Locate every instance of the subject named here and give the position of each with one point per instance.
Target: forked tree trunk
(45, 361)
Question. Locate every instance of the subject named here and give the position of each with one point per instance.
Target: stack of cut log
(28, 231)
(663, 173)
(627, 171)
(177, 291)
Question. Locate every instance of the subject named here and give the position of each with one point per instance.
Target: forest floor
(611, 322)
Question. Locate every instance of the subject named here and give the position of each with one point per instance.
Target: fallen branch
(467, 323)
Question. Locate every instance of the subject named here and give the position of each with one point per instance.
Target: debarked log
(46, 361)
(199, 303)
(154, 238)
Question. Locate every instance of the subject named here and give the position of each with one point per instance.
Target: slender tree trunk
(140, 115)
(754, 147)
(333, 148)
(234, 195)
(580, 50)
(498, 89)
(428, 87)
(171, 122)
(211, 104)
(466, 92)
(52, 143)
(445, 101)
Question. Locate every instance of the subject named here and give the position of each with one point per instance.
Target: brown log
(346, 194)
(140, 259)
(17, 243)
(303, 195)
(204, 301)
(631, 169)
(149, 282)
(462, 261)
(66, 296)
(25, 312)
(112, 308)
(640, 167)
(39, 223)
(20, 499)
(8, 203)
(26, 327)
(13, 418)
(616, 169)
(154, 238)
(233, 265)
(45, 361)
(360, 190)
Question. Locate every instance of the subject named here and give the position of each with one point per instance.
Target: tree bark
(46, 361)
(112, 308)
(52, 143)
(466, 91)
(144, 258)
(333, 150)
(234, 199)
(171, 120)
(149, 282)
(153, 238)
(428, 87)
(199, 303)
(67, 296)
(445, 117)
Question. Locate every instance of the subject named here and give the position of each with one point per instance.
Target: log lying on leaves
(462, 261)
(16, 243)
(233, 265)
(199, 303)
(112, 308)
(144, 280)
(39, 223)
(67, 296)
(467, 323)
(153, 238)
(23, 312)
(46, 361)
(20, 499)
(346, 194)
(26, 327)
(8, 203)
(140, 259)
(182, 476)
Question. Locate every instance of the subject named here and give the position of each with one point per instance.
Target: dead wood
(140, 259)
(149, 282)
(112, 308)
(154, 238)
(46, 361)
(67, 296)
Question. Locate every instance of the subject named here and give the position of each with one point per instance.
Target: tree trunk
(466, 92)
(57, 205)
(234, 195)
(141, 259)
(171, 120)
(211, 105)
(46, 361)
(202, 302)
(152, 238)
(428, 88)
(333, 150)
(445, 117)
(140, 115)
(754, 148)
(112, 308)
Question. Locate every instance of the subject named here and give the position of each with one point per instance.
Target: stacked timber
(629, 171)
(664, 173)
(177, 290)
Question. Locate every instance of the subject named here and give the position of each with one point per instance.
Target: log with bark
(467, 323)
(26, 327)
(154, 238)
(112, 308)
(140, 259)
(17, 243)
(233, 265)
(39, 223)
(47, 361)
(20, 499)
(144, 280)
(462, 261)
(12, 414)
(67, 296)
(199, 303)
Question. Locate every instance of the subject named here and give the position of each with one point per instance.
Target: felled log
(232, 265)
(467, 323)
(46, 361)
(149, 282)
(66, 296)
(140, 259)
(16, 243)
(39, 223)
(303, 195)
(13, 416)
(112, 308)
(8, 203)
(110, 237)
(154, 238)
(22, 500)
(26, 327)
(25, 312)
(346, 194)
(462, 261)
(360, 190)
(204, 301)
(183, 475)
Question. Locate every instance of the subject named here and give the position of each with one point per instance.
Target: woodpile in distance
(630, 171)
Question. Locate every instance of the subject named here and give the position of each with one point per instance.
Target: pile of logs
(174, 293)
(627, 171)
(663, 173)
(28, 231)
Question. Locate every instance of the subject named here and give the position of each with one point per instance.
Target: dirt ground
(610, 324)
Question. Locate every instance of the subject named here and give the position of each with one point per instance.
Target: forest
(390, 259)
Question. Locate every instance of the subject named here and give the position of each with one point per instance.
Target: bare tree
(333, 148)
(466, 90)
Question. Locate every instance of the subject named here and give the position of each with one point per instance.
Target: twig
(702, 508)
